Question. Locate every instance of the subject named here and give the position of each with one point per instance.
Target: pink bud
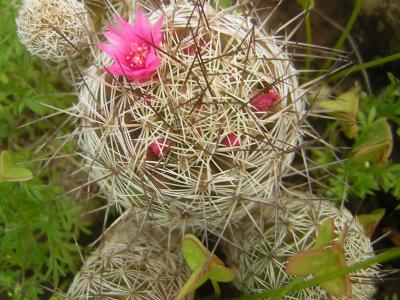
(231, 140)
(160, 147)
(263, 101)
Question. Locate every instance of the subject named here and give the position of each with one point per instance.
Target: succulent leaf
(8, 172)
(371, 220)
(345, 107)
(326, 233)
(376, 144)
(204, 265)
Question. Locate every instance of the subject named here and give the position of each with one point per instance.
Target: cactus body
(133, 261)
(52, 29)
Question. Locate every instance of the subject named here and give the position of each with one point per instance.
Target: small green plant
(204, 265)
(9, 172)
(367, 168)
(301, 238)
(36, 232)
(22, 85)
(37, 224)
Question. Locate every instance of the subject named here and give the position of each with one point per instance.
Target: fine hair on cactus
(201, 130)
(259, 249)
(135, 260)
(52, 29)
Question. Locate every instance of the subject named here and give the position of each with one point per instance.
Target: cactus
(213, 130)
(260, 248)
(134, 261)
(52, 29)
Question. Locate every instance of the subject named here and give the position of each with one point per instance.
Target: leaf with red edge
(320, 261)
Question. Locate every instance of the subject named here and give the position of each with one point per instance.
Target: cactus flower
(133, 47)
(262, 102)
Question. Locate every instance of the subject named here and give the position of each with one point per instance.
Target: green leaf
(297, 285)
(375, 144)
(204, 265)
(345, 107)
(194, 252)
(197, 279)
(8, 172)
(321, 261)
(326, 256)
(225, 3)
(33, 106)
(306, 4)
(370, 221)
(4, 78)
(221, 274)
(326, 233)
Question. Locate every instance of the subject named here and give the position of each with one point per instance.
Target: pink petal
(109, 49)
(117, 69)
(153, 61)
(113, 29)
(117, 41)
(142, 24)
(157, 35)
(231, 140)
(123, 25)
(139, 75)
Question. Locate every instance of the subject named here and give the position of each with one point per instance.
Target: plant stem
(367, 65)
(346, 31)
(217, 289)
(307, 24)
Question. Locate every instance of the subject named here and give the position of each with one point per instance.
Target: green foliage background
(359, 178)
(37, 223)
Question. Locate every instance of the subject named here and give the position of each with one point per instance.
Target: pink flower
(231, 140)
(263, 101)
(160, 147)
(133, 47)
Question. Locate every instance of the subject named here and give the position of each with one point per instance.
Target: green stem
(217, 289)
(195, 280)
(217, 292)
(295, 285)
(346, 31)
(309, 39)
(367, 65)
